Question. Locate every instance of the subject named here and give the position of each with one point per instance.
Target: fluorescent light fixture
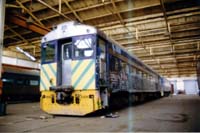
(19, 49)
(26, 53)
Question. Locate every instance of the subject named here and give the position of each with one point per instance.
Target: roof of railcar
(20, 70)
(73, 28)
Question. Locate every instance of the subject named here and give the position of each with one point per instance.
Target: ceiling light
(26, 54)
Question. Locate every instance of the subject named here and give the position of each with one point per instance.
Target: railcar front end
(83, 71)
(68, 74)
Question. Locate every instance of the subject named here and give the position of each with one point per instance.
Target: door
(175, 86)
(190, 87)
(66, 64)
(102, 59)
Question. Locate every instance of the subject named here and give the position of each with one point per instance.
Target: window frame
(69, 47)
(93, 56)
(43, 53)
(34, 80)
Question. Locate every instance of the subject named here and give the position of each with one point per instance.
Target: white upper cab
(68, 29)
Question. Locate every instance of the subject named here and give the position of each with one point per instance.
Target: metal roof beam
(17, 34)
(73, 11)
(12, 6)
(53, 9)
(14, 35)
(31, 26)
(176, 19)
(29, 12)
(117, 12)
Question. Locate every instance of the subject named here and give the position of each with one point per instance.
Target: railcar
(198, 74)
(2, 102)
(82, 70)
(20, 84)
(1, 87)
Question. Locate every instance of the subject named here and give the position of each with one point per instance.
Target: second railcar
(198, 74)
(20, 84)
(82, 70)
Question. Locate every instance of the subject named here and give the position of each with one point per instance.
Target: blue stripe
(54, 72)
(43, 85)
(83, 73)
(76, 67)
(45, 73)
(89, 82)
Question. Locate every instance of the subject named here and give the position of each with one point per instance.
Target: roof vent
(77, 23)
(54, 27)
(88, 31)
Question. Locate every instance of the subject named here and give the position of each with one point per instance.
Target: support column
(2, 21)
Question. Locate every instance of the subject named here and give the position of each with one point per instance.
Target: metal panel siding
(190, 86)
(83, 74)
(66, 72)
(48, 76)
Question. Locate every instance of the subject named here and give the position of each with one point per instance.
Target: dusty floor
(177, 113)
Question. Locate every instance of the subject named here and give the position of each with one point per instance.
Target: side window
(131, 69)
(144, 75)
(112, 63)
(101, 49)
(20, 81)
(151, 78)
(148, 77)
(8, 81)
(115, 64)
(127, 68)
(140, 73)
(135, 71)
(48, 53)
(34, 82)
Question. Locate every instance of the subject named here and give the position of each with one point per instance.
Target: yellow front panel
(83, 74)
(48, 76)
(86, 105)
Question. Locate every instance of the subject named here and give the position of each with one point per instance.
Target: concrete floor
(177, 113)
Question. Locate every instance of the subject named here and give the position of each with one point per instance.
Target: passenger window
(151, 78)
(102, 49)
(148, 76)
(115, 64)
(140, 73)
(137, 72)
(8, 81)
(134, 71)
(48, 53)
(144, 75)
(131, 69)
(127, 68)
(34, 82)
(20, 82)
